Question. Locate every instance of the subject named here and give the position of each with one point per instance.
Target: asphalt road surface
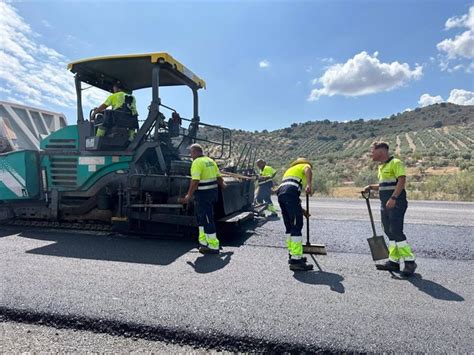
(29, 338)
(246, 299)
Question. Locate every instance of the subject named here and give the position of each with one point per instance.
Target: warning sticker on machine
(91, 160)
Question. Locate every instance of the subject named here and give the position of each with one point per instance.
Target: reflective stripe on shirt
(207, 184)
(388, 184)
(291, 183)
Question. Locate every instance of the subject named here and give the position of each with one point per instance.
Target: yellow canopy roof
(134, 71)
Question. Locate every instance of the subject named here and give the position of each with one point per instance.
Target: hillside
(429, 139)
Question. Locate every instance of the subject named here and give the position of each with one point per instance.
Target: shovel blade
(319, 249)
(378, 248)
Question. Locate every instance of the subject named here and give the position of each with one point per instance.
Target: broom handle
(370, 211)
(307, 219)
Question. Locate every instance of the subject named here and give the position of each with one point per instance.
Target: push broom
(309, 248)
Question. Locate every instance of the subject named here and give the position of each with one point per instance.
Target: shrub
(366, 176)
(322, 182)
(458, 186)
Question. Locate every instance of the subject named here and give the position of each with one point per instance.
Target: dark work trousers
(264, 194)
(392, 219)
(290, 204)
(204, 201)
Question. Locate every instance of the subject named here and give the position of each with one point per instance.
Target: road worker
(297, 178)
(265, 184)
(393, 198)
(206, 179)
(119, 101)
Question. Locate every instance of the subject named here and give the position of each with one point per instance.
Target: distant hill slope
(434, 142)
(439, 135)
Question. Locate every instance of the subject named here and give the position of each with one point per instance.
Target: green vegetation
(454, 187)
(433, 137)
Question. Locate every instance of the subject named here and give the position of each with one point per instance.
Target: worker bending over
(298, 177)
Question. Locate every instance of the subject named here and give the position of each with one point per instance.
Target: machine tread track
(61, 225)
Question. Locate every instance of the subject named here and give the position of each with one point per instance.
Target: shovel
(377, 245)
(309, 248)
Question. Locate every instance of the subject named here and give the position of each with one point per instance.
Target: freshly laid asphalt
(246, 299)
(33, 339)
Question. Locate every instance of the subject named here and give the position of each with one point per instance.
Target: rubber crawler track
(61, 225)
(215, 341)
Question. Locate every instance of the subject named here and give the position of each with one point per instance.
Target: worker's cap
(301, 161)
(260, 161)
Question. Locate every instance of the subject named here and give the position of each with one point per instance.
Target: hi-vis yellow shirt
(206, 171)
(267, 171)
(118, 99)
(295, 176)
(389, 172)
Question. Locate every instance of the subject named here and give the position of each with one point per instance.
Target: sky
(267, 64)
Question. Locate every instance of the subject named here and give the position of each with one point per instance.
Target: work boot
(291, 261)
(409, 269)
(206, 250)
(300, 265)
(388, 266)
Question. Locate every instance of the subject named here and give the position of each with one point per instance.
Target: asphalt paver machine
(79, 180)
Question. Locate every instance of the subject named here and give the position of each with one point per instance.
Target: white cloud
(264, 63)
(461, 97)
(456, 96)
(362, 75)
(427, 99)
(466, 20)
(32, 73)
(461, 47)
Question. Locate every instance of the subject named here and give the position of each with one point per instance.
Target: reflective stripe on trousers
(296, 247)
(393, 252)
(202, 236)
(405, 252)
(398, 251)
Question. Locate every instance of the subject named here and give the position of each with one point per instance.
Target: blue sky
(266, 64)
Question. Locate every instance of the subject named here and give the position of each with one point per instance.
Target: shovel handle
(307, 219)
(366, 196)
